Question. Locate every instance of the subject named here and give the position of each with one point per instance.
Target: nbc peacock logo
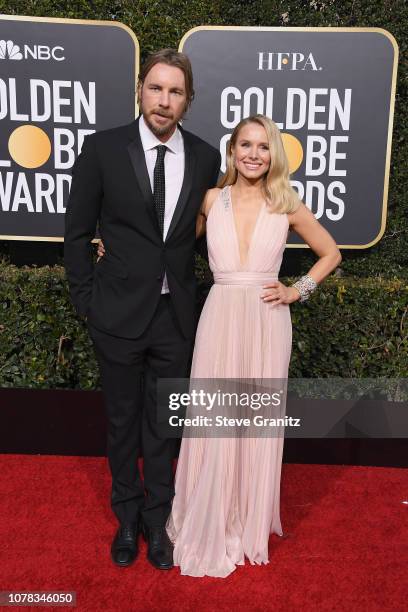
(9, 50)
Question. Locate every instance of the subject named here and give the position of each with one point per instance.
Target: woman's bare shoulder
(301, 213)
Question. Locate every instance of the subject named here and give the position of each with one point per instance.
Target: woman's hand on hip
(277, 293)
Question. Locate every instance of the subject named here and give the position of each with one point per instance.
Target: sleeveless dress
(227, 489)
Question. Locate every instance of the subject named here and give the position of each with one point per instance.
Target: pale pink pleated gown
(227, 490)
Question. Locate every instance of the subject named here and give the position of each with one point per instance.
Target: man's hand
(277, 293)
(100, 250)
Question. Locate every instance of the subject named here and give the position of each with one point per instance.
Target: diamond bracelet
(305, 285)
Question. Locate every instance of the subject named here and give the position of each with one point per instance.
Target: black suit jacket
(111, 188)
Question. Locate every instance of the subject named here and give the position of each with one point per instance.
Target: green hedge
(350, 328)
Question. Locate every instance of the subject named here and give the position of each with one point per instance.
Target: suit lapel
(138, 159)
(189, 165)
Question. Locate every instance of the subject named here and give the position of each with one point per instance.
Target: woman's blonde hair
(279, 194)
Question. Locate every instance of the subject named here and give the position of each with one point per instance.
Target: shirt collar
(150, 141)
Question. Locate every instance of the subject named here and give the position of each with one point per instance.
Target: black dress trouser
(129, 371)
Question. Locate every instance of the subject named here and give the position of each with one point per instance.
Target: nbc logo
(9, 50)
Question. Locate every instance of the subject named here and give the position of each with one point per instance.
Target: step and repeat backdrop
(330, 90)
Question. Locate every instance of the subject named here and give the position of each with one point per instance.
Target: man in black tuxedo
(143, 184)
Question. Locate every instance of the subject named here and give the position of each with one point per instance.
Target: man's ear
(139, 91)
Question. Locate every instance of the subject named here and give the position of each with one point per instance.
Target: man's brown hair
(171, 57)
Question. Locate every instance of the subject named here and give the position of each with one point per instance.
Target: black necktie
(159, 186)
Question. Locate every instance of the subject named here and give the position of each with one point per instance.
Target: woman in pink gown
(227, 489)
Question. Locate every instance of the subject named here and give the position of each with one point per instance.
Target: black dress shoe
(159, 547)
(124, 546)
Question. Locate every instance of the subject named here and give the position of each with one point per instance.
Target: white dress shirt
(173, 171)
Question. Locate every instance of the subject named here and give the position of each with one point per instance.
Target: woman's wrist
(296, 293)
(305, 286)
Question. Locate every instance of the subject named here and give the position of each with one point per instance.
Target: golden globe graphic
(294, 151)
(60, 80)
(59, 106)
(313, 109)
(331, 93)
(29, 146)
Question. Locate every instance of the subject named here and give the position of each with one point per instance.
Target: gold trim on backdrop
(40, 238)
(391, 113)
(91, 22)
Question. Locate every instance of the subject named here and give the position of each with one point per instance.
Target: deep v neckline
(243, 264)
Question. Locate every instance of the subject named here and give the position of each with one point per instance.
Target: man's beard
(158, 130)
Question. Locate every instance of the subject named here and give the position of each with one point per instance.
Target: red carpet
(345, 544)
